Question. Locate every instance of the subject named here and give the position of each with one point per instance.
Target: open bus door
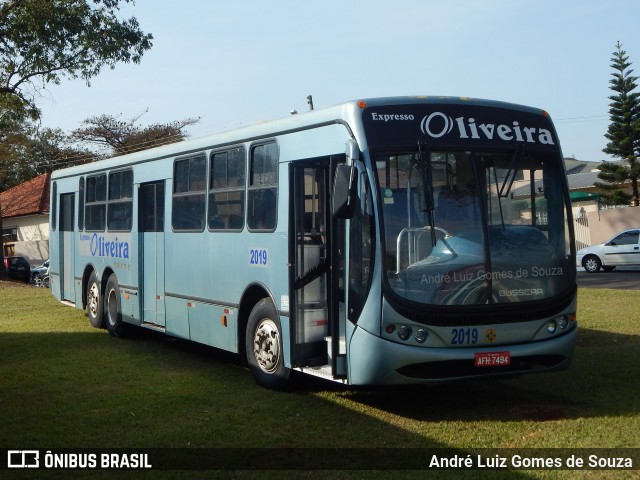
(317, 243)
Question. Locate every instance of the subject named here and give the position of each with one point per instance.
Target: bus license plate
(492, 359)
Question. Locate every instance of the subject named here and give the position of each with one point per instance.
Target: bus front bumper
(376, 361)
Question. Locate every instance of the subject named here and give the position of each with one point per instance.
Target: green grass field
(64, 384)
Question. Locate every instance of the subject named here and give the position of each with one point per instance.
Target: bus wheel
(94, 301)
(115, 326)
(263, 344)
(591, 264)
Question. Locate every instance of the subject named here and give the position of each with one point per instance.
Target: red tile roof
(29, 198)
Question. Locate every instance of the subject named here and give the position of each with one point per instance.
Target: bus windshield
(474, 227)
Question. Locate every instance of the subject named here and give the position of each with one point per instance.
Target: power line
(89, 157)
(586, 118)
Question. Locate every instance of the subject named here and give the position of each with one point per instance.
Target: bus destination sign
(452, 125)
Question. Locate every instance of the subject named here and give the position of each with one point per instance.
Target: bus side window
(189, 186)
(263, 187)
(120, 204)
(226, 190)
(264, 217)
(95, 202)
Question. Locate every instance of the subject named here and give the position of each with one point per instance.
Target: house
(593, 222)
(582, 177)
(25, 219)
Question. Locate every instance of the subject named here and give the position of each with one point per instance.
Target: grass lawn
(64, 384)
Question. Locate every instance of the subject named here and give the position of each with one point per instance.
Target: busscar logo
(23, 459)
(437, 125)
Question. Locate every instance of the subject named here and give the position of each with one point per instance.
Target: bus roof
(338, 114)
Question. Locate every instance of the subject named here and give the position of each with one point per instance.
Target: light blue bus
(382, 241)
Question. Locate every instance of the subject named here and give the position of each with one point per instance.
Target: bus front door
(317, 314)
(151, 255)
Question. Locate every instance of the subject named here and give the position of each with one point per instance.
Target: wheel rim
(266, 346)
(93, 300)
(112, 307)
(591, 265)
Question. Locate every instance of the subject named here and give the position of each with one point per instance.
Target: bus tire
(94, 302)
(113, 310)
(263, 342)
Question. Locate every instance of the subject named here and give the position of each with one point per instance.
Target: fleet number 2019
(258, 256)
(464, 336)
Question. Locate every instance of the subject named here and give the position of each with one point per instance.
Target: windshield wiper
(511, 173)
(425, 163)
(509, 178)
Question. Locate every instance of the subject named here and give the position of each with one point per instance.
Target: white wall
(604, 224)
(33, 238)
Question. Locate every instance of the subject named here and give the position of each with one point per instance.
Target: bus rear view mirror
(344, 195)
(352, 150)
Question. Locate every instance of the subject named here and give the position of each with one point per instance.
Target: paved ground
(626, 278)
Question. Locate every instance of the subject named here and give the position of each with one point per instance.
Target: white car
(621, 250)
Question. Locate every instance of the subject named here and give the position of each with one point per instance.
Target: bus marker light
(390, 329)
(224, 320)
(362, 104)
(404, 332)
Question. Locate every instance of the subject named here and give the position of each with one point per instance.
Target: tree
(623, 132)
(51, 149)
(43, 41)
(30, 151)
(120, 137)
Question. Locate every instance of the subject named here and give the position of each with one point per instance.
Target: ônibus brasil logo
(438, 124)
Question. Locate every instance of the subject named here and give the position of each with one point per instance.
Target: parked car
(621, 250)
(18, 268)
(40, 271)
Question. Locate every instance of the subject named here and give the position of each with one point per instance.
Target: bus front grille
(466, 368)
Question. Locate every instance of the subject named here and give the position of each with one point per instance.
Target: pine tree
(623, 132)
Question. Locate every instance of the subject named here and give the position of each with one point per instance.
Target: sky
(234, 63)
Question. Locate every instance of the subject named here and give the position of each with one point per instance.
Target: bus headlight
(552, 326)
(563, 322)
(421, 335)
(404, 332)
